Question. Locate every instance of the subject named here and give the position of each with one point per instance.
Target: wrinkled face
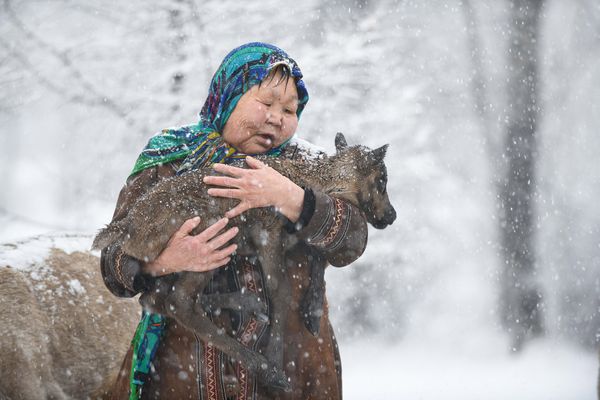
(264, 117)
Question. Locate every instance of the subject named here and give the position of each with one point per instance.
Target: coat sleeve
(337, 229)
(122, 273)
(332, 226)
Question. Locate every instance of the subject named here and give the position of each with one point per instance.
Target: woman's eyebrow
(293, 98)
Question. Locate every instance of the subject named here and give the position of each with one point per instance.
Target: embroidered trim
(316, 238)
(242, 374)
(119, 270)
(199, 357)
(249, 281)
(337, 224)
(251, 333)
(343, 232)
(212, 372)
(247, 334)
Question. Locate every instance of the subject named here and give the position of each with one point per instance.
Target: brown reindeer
(63, 333)
(355, 174)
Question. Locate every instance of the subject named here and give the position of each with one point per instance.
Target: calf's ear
(379, 153)
(340, 141)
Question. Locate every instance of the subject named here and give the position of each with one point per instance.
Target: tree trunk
(477, 79)
(177, 43)
(521, 297)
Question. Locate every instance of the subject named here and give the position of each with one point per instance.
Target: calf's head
(367, 169)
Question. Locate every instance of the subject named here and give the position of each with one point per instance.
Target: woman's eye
(381, 186)
(290, 111)
(265, 102)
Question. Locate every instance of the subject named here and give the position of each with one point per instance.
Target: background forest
(490, 274)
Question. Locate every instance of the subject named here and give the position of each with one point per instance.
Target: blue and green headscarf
(202, 144)
(199, 145)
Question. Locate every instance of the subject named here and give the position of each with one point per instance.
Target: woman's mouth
(266, 139)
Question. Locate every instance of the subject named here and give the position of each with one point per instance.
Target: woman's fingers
(237, 210)
(216, 259)
(254, 163)
(226, 252)
(230, 193)
(217, 264)
(187, 227)
(201, 252)
(229, 170)
(221, 181)
(212, 230)
(254, 187)
(225, 237)
(209, 266)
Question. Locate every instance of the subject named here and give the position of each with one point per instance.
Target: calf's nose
(390, 215)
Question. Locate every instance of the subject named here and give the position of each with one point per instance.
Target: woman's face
(264, 117)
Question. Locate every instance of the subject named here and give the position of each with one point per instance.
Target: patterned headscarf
(202, 143)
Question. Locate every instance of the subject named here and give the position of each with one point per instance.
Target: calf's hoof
(312, 309)
(148, 301)
(313, 324)
(273, 378)
(251, 303)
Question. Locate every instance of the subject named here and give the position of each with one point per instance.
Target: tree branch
(97, 99)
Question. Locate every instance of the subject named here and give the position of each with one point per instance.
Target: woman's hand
(199, 253)
(259, 186)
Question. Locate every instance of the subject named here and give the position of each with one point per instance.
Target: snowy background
(84, 84)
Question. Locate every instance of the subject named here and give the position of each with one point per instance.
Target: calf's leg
(177, 300)
(278, 290)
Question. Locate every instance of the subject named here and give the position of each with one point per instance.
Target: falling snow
(418, 316)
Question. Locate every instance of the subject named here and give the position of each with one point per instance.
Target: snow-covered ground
(458, 365)
(547, 370)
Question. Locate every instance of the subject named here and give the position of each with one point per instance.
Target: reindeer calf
(355, 174)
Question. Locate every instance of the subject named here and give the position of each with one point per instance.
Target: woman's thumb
(254, 163)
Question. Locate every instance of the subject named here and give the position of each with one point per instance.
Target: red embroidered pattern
(119, 269)
(211, 370)
(337, 224)
(242, 375)
(248, 333)
(249, 281)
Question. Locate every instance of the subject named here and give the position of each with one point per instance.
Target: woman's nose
(274, 117)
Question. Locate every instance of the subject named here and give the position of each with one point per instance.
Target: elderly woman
(255, 100)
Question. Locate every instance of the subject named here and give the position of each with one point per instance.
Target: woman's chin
(255, 148)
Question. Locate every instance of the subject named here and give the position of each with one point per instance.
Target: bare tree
(88, 93)
(513, 163)
(521, 302)
(478, 79)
